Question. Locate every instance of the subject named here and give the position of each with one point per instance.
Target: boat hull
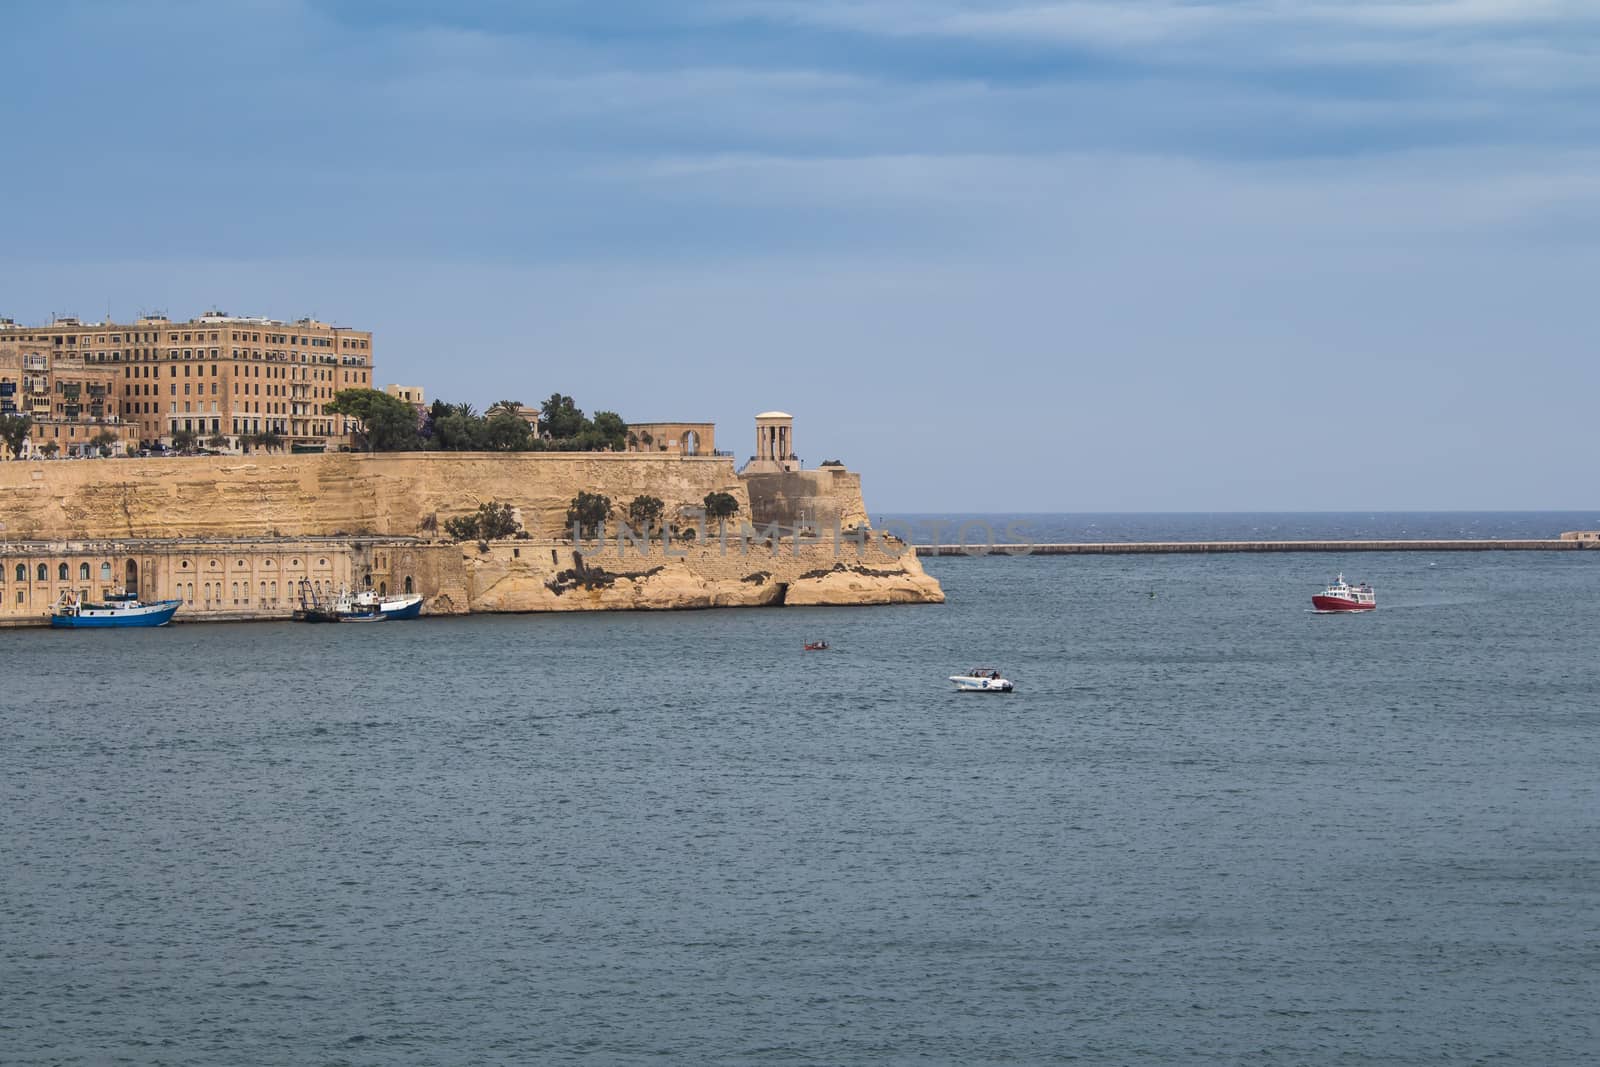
(1333, 603)
(980, 685)
(158, 614)
(408, 608)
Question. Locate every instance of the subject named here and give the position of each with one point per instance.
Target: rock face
(525, 576)
(175, 515)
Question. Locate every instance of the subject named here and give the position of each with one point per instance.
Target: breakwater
(1108, 548)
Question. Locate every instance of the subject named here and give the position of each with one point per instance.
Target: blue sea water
(1210, 826)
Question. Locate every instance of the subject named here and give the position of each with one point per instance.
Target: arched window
(274, 592)
(63, 572)
(83, 572)
(408, 585)
(22, 573)
(235, 591)
(383, 588)
(44, 573)
(263, 592)
(105, 572)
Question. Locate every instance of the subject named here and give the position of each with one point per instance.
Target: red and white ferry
(1342, 596)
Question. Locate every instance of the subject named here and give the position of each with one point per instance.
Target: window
(83, 572)
(22, 573)
(44, 573)
(63, 573)
(105, 572)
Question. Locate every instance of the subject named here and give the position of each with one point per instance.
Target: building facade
(222, 579)
(223, 378)
(674, 438)
(72, 404)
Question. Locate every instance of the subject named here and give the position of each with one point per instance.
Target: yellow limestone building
(220, 377)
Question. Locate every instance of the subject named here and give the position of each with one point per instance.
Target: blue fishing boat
(390, 607)
(119, 609)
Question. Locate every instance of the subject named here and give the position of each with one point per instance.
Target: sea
(1210, 825)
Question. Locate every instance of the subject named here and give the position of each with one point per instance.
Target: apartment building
(221, 377)
(72, 404)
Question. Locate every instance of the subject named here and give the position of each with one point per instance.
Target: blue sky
(1095, 255)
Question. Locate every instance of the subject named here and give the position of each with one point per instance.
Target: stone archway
(130, 573)
(689, 443)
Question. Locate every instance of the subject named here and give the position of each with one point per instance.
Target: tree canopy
(721, 506)
(14, 431)
(492, 521)
(587, 511)
(388, 423)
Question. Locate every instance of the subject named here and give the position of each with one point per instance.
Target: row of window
(71, 340)
(63, 572)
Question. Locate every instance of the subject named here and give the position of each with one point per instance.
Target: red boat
(1342, 596)
(816, 646)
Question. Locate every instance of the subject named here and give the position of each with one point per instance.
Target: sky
(1098, 255)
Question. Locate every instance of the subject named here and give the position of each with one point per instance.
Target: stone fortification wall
(820, 499)
(346, 494)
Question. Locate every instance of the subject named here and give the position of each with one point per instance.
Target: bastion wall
(345, 494)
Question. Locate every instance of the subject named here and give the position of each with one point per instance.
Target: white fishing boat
(981, 680)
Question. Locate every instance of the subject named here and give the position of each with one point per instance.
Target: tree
(509, 407)
(14, 431)
(388, 424)
(644, 513)
(183, 440)
(267, 439)
(506, 432)
(219, 441)
(50, 448)
(492, 521)
(459, 433)
(587, 512)
(610, 430)
(103, 442)
(561, 418)
(721, 507)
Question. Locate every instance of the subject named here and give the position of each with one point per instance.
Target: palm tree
(510, 407)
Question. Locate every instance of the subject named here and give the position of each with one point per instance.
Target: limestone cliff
(522, 576)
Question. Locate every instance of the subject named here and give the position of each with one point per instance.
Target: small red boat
(816, 646)
(1342, 596)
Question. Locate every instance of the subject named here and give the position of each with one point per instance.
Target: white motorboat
(981, 680)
